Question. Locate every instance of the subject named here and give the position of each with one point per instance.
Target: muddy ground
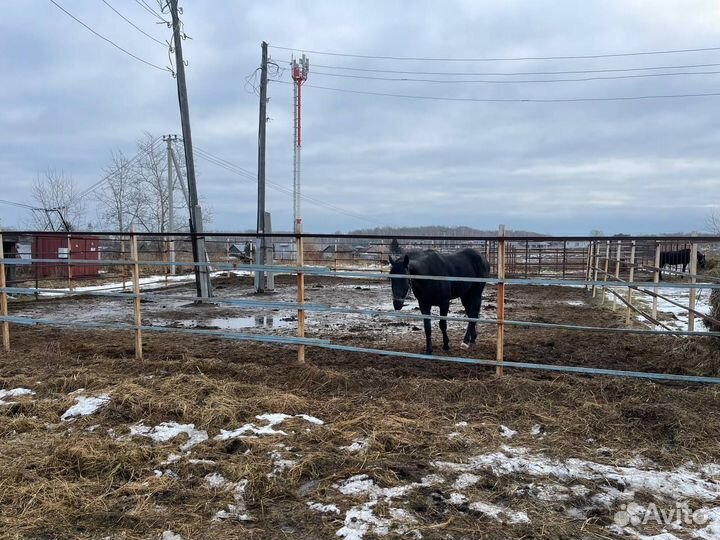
(447, 451)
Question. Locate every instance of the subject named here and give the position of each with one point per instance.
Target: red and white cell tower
(299, 71)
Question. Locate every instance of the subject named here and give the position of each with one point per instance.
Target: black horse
(680, 257)
(465, 263)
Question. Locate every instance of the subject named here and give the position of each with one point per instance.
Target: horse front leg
(443, 326)
(425, 310)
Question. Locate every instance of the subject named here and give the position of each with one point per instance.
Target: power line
(515, 73)
(133, 24)
(250, 176)
(509, 59)
(100, 182)
(150, 10)
(20, 205)
(513, 81)
(509, 100)
(106, 39)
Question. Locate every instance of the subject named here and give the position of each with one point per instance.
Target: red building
(81, 248)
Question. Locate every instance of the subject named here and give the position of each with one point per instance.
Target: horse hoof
(464, 345)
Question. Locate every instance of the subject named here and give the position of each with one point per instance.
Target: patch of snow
(498, 512)
(215, 481)
(507, 432)
(272, 419)
(84, 406)
(15, 392)
(167, 472)
(172, 458)
(169, 430)
(580, 490)
(310, 419)
(324, 508)
(201, 462)
(431, 480)
(461, 424)
(537, 431)
(457, 499)
(361, 520)
(280, 464)
(359, 445)
(169, 535)
(454, 435)
(711, 469)
(465, 480)
(679, 484)
(237, 511)
(359, 484)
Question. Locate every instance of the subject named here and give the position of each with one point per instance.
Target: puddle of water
(236, 323)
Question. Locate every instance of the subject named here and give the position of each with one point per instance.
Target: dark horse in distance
(465, 263)
(680, 257)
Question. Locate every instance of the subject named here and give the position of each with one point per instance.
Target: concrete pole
(202, 272)
(261, 251)
(171, 205)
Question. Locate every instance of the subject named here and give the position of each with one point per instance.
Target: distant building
(242, 250)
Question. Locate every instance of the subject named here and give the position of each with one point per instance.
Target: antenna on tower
(299, 72)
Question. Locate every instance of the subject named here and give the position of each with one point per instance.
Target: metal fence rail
(574, 265)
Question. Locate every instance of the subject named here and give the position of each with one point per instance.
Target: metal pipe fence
(536, 261)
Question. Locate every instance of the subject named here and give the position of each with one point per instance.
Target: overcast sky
(67, 99)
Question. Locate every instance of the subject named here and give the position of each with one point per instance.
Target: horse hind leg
(471, 302)
(425, 310)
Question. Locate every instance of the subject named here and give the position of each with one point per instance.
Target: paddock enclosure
(129, 409)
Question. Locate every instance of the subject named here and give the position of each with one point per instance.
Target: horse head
(700, 260)
(400, 286)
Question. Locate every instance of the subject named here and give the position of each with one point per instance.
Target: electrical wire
(509, 59)
(250, 176)
(133, 24)
(508, 100)
(512, 81)
(100, 182)
(20, 205)
(106, 39)
(150, 10)
(253, 178)
(516, 73)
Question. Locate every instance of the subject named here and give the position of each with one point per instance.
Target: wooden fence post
(136, 292)
(605, 273)
(122, 259)
(588, 263)
(631, 278)
(656, 279)
(300, 298)
(69, 263)
(693, 292)
(596, 266)
(4, 299)
(500, 301)
(617, 269)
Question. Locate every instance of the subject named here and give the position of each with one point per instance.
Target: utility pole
(299, 73)
(261, 243)
(202, 272)
(171, 202)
